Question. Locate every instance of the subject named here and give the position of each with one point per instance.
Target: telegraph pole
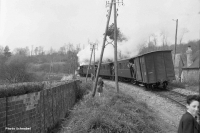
(175, 40)
(103, 46)
(102, 50)
(115, 48)
(94, 59)
(94, 47)
(199, 61)
(89, 63)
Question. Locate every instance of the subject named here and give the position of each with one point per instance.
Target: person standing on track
(100, 85)
(188, 122)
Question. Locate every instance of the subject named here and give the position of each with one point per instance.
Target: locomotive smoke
(140, 28)
(137, 38)
(127, 48)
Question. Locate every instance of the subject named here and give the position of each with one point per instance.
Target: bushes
(83, 90)
(19, 89)
(14, 70)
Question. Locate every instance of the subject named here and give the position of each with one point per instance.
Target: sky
(54, 23)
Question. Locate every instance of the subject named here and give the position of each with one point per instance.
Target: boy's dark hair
(191, 98)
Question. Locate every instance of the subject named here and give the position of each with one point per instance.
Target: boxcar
(154, 68)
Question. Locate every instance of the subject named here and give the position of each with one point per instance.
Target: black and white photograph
(99, 66)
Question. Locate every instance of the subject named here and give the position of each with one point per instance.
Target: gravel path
(166, 110)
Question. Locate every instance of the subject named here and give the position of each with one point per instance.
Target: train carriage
(155, 68)
(151, 69)
(124, 70)
(106, 70)
(84, 68)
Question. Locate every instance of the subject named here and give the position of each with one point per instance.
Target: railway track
(174, 96)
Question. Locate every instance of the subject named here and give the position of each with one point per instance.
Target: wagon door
(159, 67)
(138, 70)
(150, 68)
(143, 69)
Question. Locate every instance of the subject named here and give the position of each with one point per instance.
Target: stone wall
(39, 111)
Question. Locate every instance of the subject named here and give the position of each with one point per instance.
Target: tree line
(25, 65)
(180, 48)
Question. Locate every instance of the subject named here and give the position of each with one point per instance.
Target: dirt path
(167, 111)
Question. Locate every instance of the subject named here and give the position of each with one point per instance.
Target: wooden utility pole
(94, 61)
(94, 47)
(115, 47)
(102, 50)
(89, 64)
(199, 60)
(175, 41)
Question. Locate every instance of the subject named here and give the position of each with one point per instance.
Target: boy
(188, 123)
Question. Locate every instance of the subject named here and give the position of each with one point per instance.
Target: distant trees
(22, 51)
(183, 32)
(14, 69)
(13, 66)
(180, 48)
(7, 52)
(1, 50)
(23, 65)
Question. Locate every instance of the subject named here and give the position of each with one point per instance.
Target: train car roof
(152, 52)
(137, 56)
(144, 54)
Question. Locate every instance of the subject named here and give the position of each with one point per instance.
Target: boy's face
(193, 107)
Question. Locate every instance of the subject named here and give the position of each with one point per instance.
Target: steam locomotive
(152, 69)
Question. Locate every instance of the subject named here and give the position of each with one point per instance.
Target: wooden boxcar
(154, 68)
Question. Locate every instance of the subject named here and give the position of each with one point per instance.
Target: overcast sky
(52, 23)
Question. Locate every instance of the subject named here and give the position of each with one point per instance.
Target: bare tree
(154, 39)
(22, 51)
(183, 31)
(36, 50)
(78, 47)
(62, 50)
(40, 50)
(164, 38)
(32, 50)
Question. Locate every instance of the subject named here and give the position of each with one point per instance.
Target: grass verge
(111, 113)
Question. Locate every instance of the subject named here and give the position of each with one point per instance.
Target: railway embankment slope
(114, 112)
(165, 109)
